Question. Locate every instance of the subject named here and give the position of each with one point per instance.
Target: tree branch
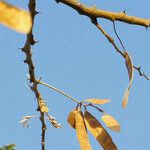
(99, 13)
(110, 39)
(28, 52)
(93, 13)
(141, 73)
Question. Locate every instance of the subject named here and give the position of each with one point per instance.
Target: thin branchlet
(141, 73)
(109, 38)
(58, 90)
(115, 30)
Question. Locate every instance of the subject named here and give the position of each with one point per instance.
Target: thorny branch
(28, 52)
(93, 13)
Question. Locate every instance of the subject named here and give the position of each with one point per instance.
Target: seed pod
(15, 18)
(97, 101)
(129, 65)
(98, 131)
(111, 122)
(71, 118)
(81, 132)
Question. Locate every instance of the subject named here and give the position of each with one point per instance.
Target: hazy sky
(75, 57)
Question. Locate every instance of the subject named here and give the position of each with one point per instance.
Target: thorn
(28, 76)
(32, 42)
(25, 61)
(20, 48)
(23, 49)
(38, 109)
(36, 12)
(139, 67)
(40, 78)
(26, 47)
(57, 1)
(31, 87)
(94, 7)
(27, 86)
(124, 11)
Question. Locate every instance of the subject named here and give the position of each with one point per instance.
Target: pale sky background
(75, 57)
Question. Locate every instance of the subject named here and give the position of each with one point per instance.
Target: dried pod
(71, 118)
(111, 122)
(54, 121)
(15, 18)
(98, 131)
(81, 131)
(97, 101)
(130, 69)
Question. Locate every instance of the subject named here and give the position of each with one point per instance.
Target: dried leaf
(81, 131)
(54, 121)
(130, 69)
(15, 18)
(42, 105)
(111, 122)
(98, 131)
(25, 121)
(97, 101)
(71, 118)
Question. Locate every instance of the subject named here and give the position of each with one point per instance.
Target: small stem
(114, 26)
(109, 38)
(102, 111)
(59, 91)
(141, 73)
(42, 118)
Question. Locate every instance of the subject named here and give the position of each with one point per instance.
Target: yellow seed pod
(97, 101)
(15, 18)
(98, 131)
(81, 131)
(71, 118)
(111, 122)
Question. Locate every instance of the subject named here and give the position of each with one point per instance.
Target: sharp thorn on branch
(124, 11)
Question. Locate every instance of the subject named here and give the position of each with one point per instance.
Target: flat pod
(81, 131)
(97, 101)
(111, 122)
(15, 18)
(129, 65)
(71, 118)
(98, 131)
